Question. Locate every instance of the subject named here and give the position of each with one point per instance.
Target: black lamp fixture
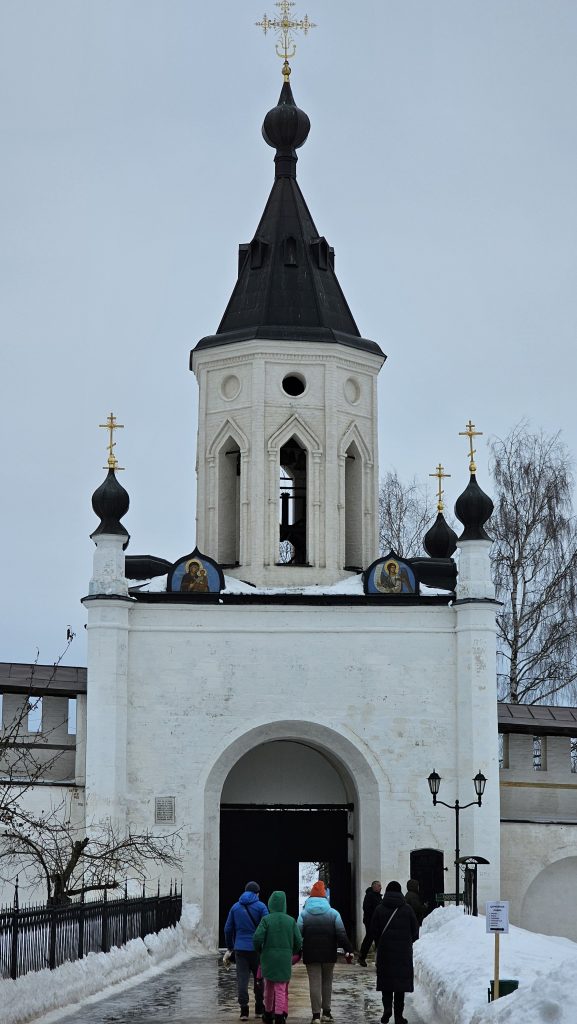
(479, 783)
(434, 781)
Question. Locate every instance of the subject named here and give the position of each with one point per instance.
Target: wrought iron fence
(35, 937)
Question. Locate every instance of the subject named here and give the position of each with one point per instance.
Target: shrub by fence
(35, 937)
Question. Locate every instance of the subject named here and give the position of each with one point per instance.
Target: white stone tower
(287, 435)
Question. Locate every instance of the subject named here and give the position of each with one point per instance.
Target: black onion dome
(286, 128)
(110, 502)
(473, 508)
(440, 541)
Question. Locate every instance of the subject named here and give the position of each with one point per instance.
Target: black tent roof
(287, 288)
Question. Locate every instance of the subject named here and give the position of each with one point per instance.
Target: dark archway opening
(267, 844)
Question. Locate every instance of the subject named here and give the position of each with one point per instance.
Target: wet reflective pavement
(202, 990)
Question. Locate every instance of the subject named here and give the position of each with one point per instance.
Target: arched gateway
(283, 793)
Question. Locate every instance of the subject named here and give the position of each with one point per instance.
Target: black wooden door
(427, 866)
(266, 845)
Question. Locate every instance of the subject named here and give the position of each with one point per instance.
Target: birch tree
(534, 560)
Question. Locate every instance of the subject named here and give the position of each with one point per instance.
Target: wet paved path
(201, 991)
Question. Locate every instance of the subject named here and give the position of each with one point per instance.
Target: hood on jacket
(412, 885)
(249, 897)
(393, 899)
(277, 902)
(316, 905)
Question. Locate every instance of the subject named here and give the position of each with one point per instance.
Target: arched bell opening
(353, 508)
(293, 503)
(228, 503)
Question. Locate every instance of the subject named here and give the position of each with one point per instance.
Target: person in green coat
(279, 942)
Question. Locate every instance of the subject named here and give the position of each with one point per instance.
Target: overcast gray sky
(441, 164)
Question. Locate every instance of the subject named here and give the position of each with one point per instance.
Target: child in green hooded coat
(278, 940)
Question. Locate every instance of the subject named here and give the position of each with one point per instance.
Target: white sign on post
(497, 917)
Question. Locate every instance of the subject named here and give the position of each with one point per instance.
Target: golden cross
(284, 28)
(111, 425)
(440, 475)
(470, 432)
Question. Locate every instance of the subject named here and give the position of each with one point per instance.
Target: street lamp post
(479, 783)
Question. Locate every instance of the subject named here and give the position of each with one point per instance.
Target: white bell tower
(287, 437)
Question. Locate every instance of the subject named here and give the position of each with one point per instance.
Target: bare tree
(71, 860)
(534, 566)
(406, 511)
(26, 758)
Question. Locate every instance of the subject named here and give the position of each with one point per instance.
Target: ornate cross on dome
(111, 425)
(440, 475)
(470, 432)
(284, 28)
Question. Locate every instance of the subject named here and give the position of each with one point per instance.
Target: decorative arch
(228, 429)
(352, 433)
(361, 774)
(294, 427)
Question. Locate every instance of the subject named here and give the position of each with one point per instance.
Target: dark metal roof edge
(294, 599)
(300, 335)
(533, 821)
(56, 680)
(528, 724)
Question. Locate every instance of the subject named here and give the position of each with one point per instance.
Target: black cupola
(110, 502)
(286, 129)
(473, 508)
(287, 289)
(440, 541)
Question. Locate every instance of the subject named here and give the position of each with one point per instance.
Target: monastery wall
(377, 690)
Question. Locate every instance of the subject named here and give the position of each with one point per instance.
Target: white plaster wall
(539, 876)
(374, 688)
(547, 793)
(65, 803)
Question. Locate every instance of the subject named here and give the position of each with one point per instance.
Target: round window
(230, 387)
(293, 384)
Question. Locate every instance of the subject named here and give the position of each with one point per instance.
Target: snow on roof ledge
(353, 585)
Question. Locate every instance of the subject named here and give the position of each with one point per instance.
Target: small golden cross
(470, 432)
(111, 425)
(440, 475)
(284, 28)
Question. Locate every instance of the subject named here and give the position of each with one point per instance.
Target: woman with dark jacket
(322, 931)
(394, 928)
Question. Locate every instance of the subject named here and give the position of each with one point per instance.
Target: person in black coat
(414, 900)
(371, 901)
(394, 928)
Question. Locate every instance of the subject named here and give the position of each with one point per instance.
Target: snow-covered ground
(454, 964)
(453, 967)
(40, 993)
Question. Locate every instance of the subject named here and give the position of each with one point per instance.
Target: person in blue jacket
(242, 921)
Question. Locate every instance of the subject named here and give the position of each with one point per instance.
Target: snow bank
(40, 992)
(454, 965)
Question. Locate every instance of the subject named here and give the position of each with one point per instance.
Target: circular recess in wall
(230, 387)
(294, 384)
(352, 390)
